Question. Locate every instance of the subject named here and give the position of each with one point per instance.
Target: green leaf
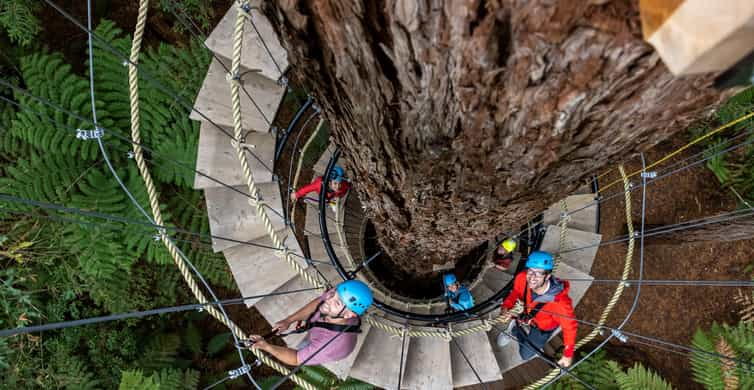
(218, 343)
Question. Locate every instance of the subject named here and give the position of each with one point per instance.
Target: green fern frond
(180, 148)
(174, 379)
(136, 380)
(192, 338)
(319, 376)
(160, 352)
(46, 178)
(706, 370)
(18, 19)
(638, 377)
(354, 384)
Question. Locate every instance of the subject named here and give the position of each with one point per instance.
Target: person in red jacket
(337, 186)
(547, 306)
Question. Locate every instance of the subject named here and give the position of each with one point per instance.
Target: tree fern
(179, 147)
(18, 19)
(594, 371)
(49, 77)
(43, 177)
(136, 380)
(174, 379)
(160, 352)
(638, 378)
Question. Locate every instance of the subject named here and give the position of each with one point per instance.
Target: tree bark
(462, 119)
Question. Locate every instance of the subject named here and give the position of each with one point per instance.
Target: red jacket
(315, 185)
(558, 311)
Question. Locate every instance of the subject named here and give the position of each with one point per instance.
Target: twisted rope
(563, 225)
(618, 290)
(154, 202)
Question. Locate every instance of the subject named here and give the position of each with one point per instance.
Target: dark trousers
(536, 336)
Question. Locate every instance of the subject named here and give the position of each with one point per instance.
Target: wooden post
(697, 36)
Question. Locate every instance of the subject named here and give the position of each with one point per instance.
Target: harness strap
(530, 313)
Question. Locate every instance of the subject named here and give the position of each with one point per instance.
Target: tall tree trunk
(461, 119)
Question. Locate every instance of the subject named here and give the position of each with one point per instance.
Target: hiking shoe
(503, 338)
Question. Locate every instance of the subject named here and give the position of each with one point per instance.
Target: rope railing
(407, 330)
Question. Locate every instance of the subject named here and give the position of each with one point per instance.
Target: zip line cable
(139, 314)
(669, 282)
(688, 145)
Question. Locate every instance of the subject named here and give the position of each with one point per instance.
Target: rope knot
(234, 79)
(245, 8)
(486, 325)
(283, 252)
(257, 202)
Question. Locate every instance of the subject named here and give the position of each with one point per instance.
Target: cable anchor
(97, 133)
(243, 370)
(620, 336)
(649, 175)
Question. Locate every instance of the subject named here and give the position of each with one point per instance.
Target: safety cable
(114, 133)
(139, 314)
(128, 61)
(720, 218)
(603, 199)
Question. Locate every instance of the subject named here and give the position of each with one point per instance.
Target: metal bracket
(243, 370)
(82, 134)
(649, 175)
(620, 336)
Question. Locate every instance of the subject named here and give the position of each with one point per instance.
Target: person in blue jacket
(458, 296)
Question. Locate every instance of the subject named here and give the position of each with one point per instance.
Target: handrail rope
(241, 16)
(563, 225)
(684, 147)
(618, 289)
(175, 253)
(299, 164)
(635, 302)
(154, 202)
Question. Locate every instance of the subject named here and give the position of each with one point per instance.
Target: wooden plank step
(481, 292)
(276, 308)
(318, 252)
(217, 158)
(478, 350)
(581, 258)
(378, 361)
(342, 368)
(259, 271)
(585, 219)
(231, 216)
(213, 99)
(254, 56)
(428, 365)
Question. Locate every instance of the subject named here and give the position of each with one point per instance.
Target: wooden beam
(698, 36)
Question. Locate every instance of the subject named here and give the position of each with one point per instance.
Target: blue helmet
(356, 295)
(449, 279)
(337, 173)
(541, 260)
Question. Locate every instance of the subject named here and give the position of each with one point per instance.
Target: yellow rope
(563, 224)
(618, 290)
(682, 148)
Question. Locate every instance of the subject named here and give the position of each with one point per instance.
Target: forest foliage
(56, 266)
